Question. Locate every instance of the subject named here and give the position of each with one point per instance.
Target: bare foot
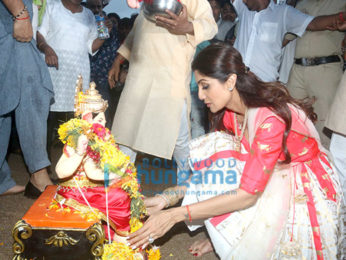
(201, 247)
(133, 3)
(40, 179)
(14, 190)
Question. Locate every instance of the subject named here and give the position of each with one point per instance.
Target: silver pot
(158, 7)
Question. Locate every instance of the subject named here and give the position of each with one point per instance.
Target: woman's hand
(156, 226)
(154, 204)
(82, 145)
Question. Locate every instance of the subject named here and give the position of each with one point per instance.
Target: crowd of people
(64, 34)
(263, 78)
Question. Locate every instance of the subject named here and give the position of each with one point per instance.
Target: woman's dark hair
(220, 60)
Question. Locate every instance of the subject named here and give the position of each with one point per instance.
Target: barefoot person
(287, 202)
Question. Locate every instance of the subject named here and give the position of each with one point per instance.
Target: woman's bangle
(15, 17)
(188, 213)
(172, 195)
(164, 198)
(341, 17)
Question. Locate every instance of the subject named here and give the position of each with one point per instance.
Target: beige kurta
(157, 85)
(336, 119)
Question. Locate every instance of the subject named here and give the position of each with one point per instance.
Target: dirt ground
(174, 245)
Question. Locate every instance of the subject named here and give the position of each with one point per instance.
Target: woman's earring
(231, 89)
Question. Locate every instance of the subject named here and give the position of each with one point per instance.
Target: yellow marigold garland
(71, 130)
(154, 253)
(120, 251)
(135, 224)
(102, 145)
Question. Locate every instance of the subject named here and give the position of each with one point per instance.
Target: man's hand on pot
(176, 24)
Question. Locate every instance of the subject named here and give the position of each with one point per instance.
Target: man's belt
(317, 60)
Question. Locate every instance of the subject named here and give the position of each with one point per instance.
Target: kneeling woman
(288, 200)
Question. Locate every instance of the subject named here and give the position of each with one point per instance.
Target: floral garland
(121, 251)
(106, 154)
(101, 147)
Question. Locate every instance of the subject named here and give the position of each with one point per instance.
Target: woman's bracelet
(15, 17)
(164, 198)
(188, 213)
(172, 195)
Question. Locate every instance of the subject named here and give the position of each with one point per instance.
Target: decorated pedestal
(49, 233)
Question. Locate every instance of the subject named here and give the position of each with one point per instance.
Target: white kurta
(157, 85)
(71, 36)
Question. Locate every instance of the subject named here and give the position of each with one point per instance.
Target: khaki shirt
(157, 85)
(323, 43)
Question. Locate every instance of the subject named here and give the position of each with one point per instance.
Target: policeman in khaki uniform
(317, 69)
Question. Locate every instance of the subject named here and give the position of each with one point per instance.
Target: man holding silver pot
(152, 115)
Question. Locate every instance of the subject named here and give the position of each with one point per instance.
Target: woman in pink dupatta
(287, 204)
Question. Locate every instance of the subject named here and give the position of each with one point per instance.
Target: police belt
(317, 61)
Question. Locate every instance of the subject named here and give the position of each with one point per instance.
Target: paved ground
(174, 245)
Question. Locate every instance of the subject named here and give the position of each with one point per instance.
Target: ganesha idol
(96, 178)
